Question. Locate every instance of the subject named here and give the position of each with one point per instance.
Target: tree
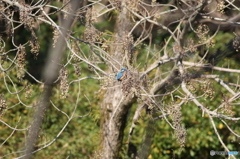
(174, 52)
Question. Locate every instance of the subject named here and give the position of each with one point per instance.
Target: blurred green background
(81, 137)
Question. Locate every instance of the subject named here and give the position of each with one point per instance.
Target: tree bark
(116, 104)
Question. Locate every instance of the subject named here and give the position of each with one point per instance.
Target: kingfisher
(122, 74)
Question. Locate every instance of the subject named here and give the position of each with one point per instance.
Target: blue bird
(122, 74)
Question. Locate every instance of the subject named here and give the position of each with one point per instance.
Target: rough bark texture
(116, 104)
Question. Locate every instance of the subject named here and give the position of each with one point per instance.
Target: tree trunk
(116, 104)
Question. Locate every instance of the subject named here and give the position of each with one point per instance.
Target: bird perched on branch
(122, 74)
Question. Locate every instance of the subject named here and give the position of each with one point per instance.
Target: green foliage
(80, 139)
(82, 100)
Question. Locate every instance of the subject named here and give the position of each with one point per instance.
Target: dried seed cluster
(91, 34)
(25, 18)
(133, 5)
(207, 89)
(28, 92)
(190, 46)
(3, 105)
(202, 32)
(191, 86)
(34, 44)
(5, 25)
(220, 7)
(21, 56)
(180, 131)
(90, 17)
(28, 21)
(227, 108)
(131, 84)
(211, 43)
(236, 43)
(21, 62)
(63, 82)
(77, 70)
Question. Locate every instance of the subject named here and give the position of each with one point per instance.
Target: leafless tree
(181, 64)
